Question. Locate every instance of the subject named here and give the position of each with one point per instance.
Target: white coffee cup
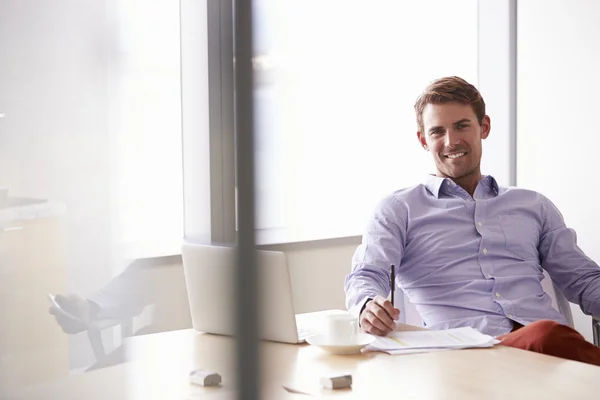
(341, 328)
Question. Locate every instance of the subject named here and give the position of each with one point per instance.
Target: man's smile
(453, 156)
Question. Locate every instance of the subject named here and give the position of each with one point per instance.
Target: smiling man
(468, 252)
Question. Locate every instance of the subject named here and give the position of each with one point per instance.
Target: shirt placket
(487, 248)
(485, 243)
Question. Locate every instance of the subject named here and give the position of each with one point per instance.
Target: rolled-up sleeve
(577, 276)
(382, 244)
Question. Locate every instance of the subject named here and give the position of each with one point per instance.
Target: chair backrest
(410, 315)
(559, 301)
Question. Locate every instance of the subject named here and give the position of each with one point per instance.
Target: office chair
(94, 330)
(94, 334)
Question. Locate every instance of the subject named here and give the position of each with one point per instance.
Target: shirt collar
(491, 184)
(434, 184)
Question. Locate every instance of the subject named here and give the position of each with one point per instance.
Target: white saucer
(361, 340)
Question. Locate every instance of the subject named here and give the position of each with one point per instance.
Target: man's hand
(378, 316)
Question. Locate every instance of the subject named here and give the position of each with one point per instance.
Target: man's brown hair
(448, 89)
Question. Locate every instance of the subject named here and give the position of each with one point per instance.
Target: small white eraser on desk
(336, 381)
(205, 377)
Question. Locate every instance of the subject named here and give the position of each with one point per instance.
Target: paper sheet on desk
(425, 341)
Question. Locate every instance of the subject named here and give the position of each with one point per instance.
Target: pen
(392, 281)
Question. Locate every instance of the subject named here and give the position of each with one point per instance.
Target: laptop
(209, 277)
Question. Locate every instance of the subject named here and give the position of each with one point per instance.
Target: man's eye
(463, 126)
(434, 133)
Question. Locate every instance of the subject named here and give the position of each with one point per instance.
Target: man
(468, 252)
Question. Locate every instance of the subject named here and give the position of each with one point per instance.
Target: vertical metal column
(248, 365)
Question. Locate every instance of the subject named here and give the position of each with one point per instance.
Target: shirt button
(490, 276)
(479, 224)
(510, 316)
(484, 251)
(497, 294)
(448, 183)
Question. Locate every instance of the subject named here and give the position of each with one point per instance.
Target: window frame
(219, 209)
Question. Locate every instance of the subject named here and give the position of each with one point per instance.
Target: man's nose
(452, 138)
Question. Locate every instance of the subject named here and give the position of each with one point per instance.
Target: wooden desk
(159, 365)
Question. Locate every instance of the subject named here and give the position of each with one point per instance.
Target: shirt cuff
(360, 306)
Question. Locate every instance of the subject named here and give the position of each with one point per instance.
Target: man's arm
(383, 244)
(577, 276)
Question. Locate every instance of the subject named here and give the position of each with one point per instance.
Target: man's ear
(422, 140)
(486, 127)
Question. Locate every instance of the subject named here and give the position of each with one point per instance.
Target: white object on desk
(322, 341)
(341, 328)
(424, 340)
(205, 377)
(336, 382)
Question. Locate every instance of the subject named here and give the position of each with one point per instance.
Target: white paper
(421, 341)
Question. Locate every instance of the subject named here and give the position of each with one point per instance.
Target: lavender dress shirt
(472, 261)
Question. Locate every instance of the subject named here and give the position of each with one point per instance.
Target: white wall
(558, 102)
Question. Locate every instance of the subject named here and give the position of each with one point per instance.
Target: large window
(145, 110)
(335, 86)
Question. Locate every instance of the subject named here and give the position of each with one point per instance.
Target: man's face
(453, 135)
